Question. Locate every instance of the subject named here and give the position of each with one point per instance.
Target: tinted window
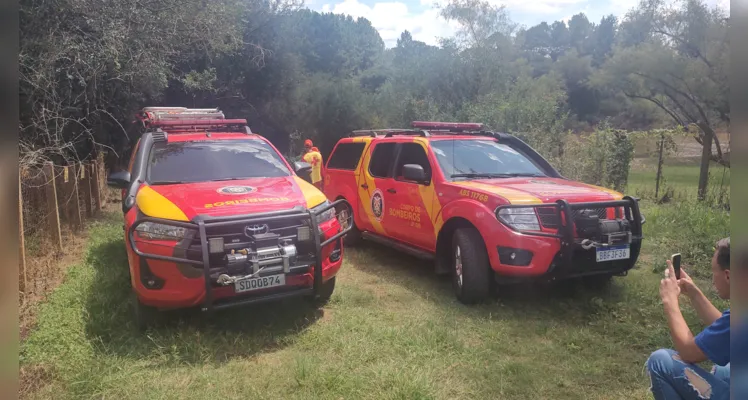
(381, 160)
(214, 160)
(481, 157)
(346, 156)
(412, 153)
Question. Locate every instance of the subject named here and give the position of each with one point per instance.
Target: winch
(602, 231)
(267, 250)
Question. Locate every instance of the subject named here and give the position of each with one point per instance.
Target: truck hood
(540, 190)
(255, 195)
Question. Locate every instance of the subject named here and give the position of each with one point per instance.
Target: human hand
(669, 287)
(685, 282)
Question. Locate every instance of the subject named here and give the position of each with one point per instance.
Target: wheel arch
(444, 241)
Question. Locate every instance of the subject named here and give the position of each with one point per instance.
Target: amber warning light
(463, 126)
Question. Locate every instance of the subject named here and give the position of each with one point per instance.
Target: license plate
(248, 285)
(612, 253)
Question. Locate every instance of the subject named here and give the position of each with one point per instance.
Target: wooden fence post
(53, 215)
(75, 203)
(86, 183)
(21, 246)
(96, 186)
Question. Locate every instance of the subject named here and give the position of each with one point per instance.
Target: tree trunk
(660, 150)
(706, 156)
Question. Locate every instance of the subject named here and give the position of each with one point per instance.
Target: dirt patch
(32, 378)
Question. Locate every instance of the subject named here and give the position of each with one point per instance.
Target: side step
(413, 251)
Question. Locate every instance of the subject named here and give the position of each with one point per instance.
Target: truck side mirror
(414, 172)
(119, 180)
(303, 170)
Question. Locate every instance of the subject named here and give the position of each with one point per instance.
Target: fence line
(54, 199)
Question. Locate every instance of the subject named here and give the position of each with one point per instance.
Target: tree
(682, 69)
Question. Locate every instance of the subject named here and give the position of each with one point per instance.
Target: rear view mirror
(414, 172)
(303, 170)
(119, 180)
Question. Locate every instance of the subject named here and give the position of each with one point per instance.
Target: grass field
(392, 330)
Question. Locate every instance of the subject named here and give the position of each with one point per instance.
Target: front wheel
(325, 292)
(345, 218)
(471, 269)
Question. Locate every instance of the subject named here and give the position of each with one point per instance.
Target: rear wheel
(325, 292)
(345, 218)
(471, 270)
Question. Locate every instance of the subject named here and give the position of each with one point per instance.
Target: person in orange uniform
(314, 158)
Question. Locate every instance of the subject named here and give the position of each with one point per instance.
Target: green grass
(392, 330)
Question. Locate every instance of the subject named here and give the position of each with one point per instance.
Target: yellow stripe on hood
(616, 195)
(513, 196)
(153, 204)
(312, 195)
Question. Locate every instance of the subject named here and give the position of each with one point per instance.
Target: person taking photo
(674, 373)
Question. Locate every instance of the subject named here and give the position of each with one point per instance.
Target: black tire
(345, 213)
(145, 316)
(325, 292)
(472, 281)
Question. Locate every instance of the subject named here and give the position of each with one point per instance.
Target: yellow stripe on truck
(616, 195)
(153, 204)
(513, 196)
(312, 195)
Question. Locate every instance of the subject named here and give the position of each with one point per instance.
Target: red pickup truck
(484, 205)
(215, 217)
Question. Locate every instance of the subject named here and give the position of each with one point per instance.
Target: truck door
(375, 179)
(408, 212)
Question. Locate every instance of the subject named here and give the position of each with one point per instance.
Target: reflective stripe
(154, 204)
(312, 195)
(512, 195)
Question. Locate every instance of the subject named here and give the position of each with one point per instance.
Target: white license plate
(612, 253)
(248, 285)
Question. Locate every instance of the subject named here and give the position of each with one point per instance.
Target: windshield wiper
(493, 175)
(239, 178)
(167, 183)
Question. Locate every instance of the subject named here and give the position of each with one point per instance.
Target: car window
(213, 160)
(412, 153)
(482, 157)
(346, 156)
(381, 160)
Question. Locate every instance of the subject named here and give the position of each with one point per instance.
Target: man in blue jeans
(674, 373)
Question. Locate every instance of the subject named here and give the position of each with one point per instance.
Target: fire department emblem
(236, 190)
(377, 204)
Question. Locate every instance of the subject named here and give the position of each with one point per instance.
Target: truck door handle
(365, 186)
(391, 190)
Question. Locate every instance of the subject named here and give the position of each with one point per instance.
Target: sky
(421, 17)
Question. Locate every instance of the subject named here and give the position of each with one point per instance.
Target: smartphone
(675, 259)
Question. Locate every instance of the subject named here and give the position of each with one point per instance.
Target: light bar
(466, 126)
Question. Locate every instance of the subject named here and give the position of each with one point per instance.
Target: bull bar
(566, 229)
(201, 223)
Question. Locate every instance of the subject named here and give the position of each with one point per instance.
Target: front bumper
(304, 276)
(562, 252)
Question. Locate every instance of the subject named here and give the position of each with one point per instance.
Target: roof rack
(408, 132)
(189, 120)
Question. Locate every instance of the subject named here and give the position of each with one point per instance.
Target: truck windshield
(482, 159)
(185, 162)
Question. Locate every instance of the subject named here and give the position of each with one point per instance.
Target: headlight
(325, 215)
(156, 231)
(523, 218)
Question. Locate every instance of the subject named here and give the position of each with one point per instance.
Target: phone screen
(676, 264)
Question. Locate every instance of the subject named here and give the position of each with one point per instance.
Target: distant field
(393, 330)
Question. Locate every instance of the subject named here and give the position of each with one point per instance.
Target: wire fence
(55, 201)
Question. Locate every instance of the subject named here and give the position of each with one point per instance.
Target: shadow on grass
(558, 299)
(185, 336)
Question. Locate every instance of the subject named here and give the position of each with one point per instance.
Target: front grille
(234, 238)
(549, 215)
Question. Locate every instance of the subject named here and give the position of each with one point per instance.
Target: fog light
(516, 257)
(304, 233)
(215, 245)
